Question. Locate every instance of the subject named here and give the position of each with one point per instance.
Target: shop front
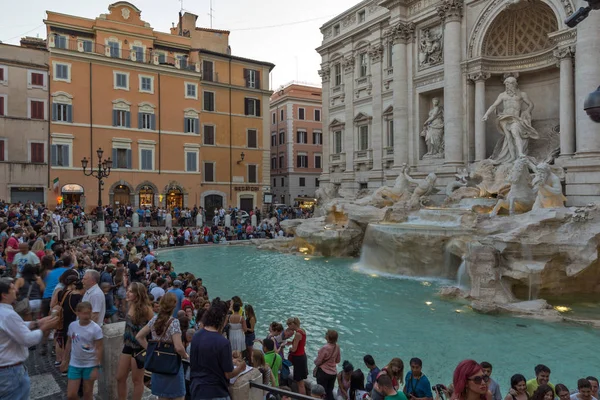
(24, 194)
(71, 194)
(305, 203)
(174, 199)
(121, 196)
(146, 196)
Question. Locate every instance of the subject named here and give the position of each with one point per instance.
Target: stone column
(450, 11)
(377, 129)
(480, 135)
(401, 34)
(348, 147)
(587, 61)
(567, 100)
(325, 73)
(88, 228)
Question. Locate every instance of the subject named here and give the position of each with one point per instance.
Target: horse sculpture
(521, 196)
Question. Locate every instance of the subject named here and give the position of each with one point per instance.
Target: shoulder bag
(333, 353)
(22, 306)
(161, 357)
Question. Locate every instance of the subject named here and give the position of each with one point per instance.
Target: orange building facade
(184, 122)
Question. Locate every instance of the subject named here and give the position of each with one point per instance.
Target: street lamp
(242, 156)
(102, 172)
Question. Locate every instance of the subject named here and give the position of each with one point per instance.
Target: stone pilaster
(450, 11)
(564, 56)
(348, 66)
(325, 73)
(377, 128)
(479, 79)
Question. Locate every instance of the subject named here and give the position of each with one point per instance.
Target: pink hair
(463, 371)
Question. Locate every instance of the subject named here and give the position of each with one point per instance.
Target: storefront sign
(72, 188)
(247, 188)
(27, 189)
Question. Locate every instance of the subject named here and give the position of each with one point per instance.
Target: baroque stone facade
(384, 62)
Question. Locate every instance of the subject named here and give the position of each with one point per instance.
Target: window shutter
(196, 125)
(140, 122)
(298, 137)
(149, 154)
(114, 159)
(128, 119)
(246, 106)
(128, 159)
(69, 113)
(53, 154)
(298, 161)
(208, 172)
(153, 122)
(54, 111)
(115, 117)
(1, 99)
(257, 108)
(247, 77)
(65, 154)
(257, 79)
(185, 125)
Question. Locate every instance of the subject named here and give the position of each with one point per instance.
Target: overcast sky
(283, 32)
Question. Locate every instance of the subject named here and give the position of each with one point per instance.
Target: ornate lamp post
(102, 172)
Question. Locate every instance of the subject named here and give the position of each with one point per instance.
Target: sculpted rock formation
(521, 196)
(386, 196)
(548, 187)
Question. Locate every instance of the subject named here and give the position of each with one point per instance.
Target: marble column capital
(564, 53)
(325, 73)
(450, 10)
(479, 76)
(376, 53)
(401, 33)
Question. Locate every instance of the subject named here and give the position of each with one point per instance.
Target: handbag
(161, 357)
(324, 361)
(22, 306)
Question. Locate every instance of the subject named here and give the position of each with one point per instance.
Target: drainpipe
(91, 124)
(159, 126)
(49, 147)
(230, 143)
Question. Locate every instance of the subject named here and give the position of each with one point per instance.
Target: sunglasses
(479, 379)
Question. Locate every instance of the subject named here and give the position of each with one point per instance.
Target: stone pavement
(46, 381)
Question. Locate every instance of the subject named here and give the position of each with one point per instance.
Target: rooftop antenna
(181, 10)
(210, 14)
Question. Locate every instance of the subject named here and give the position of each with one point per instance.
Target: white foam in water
(367, 270)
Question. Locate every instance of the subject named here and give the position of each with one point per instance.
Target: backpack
(58, 311)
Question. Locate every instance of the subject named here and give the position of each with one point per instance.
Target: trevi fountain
(474, 191)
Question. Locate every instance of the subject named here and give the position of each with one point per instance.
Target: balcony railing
(147, 56)
(339, 158)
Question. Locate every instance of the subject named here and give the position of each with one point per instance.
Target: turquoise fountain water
(387, 316)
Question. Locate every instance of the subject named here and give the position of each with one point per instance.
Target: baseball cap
(177, 282)
(188, 291)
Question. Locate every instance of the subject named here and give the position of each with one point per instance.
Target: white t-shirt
(21, 260)
(157, 292)
(574, 396)
(83, 344)
(95, 295)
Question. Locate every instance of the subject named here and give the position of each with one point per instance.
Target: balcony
(363, 159)
(388, 157)
(148, 56)
(337, 162)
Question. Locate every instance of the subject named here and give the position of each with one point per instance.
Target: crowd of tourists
(56, 296)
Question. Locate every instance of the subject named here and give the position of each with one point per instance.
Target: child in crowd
(111, 311)
(83, 352)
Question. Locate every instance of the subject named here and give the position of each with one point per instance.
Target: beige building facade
(24, 121)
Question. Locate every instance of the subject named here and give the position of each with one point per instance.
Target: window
(337, 142)
(337, 72)
(122, 118)
(273, 139)
(209, 135)
(191, 161)
(252, 139)
(301, 137)
(191, 90)
(60, 155)
(114, 49)
(302, 182)
(60, 42)
(274, 118)
(121, 158)
(301, 114)
(209, 101)
(281, 115)
(317, 138)
(362, 59)
(121, 81)
(37, 79)
(37, 152)
(2, 105)
(146, 121)
(273, 162)
(274, 182)
(336, 30)
(3, 74)
(282, 182)
(363, 137)
(209, 172)
(362, 16)
(390, 54)
(146, 158)
(191, 125)
(252, 107)
(363, 185)
(317, 183)
(62, 112)
(87, 46)
(2, 149)
(146, 84)
(252, 78)
(61, 72)
(390, 133)
(281, 137)
(162, 58)
(182, 61)
(207, 70)
(139, 53)
(281, 161)
(252, 173)
(37, 109)
(302, 160)
(317, 115)
(318, 161)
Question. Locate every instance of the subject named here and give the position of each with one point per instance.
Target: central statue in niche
(433, 131)
(514, 122)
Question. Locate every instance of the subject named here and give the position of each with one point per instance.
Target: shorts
(250, 339)
(77, 373)
(132, 352)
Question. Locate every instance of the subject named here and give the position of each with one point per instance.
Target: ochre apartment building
(185, 122)
(296, 143)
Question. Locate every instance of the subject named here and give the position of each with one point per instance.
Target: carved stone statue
(387, 196)
(520, 196)
(325, 193)
(514, 122)
(548, 187)
(425, 187)
(433, 131)
(430, 49)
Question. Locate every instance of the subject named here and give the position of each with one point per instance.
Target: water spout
(461, 275)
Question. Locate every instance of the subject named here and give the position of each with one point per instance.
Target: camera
(591, 105)
(439, 388)
(582, 13)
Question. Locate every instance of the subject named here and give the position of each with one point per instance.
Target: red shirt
(14, 243)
